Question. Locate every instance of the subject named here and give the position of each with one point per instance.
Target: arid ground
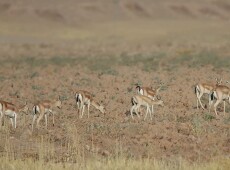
(51, 48)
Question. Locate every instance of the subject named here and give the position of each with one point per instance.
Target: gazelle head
(218, 81)
(102, 109)
(160, 103)
(58, 103)
(159, 88)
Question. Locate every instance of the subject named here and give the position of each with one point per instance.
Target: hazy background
(84, 27)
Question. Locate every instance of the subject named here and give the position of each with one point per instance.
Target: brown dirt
(178, 128)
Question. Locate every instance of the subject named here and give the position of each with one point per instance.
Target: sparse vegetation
(34, 74)
(197, 124)
(208, 117)
(35, 87)
(107, 47)
(119, 163)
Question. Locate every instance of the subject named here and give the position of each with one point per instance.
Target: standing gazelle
(44, 108)
(205, 88)
(79, 98)
(149, 92)
(85, 98)
(10, 110)
(140, 100)
(221, 93)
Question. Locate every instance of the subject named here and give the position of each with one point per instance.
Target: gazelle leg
(131, 111)
(146, 113)
(137, 107)
(80, 110)
(197, 104)
(215, 105)
(199, 97)
(34, 118)
(11, 120)
(88, 109)
(83, 110)
(46, 119)
(15, 120)
(151, 112)
(147, 110)
(224, 108)
(51, 112)
(2, 118)
(78, 107)
(210, 102)
(53, 118)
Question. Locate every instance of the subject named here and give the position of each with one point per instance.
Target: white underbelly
(225, 96)
(10, 113)
(47, 111)
(207, 91)
(151, 97)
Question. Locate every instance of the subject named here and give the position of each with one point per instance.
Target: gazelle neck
(97, 106)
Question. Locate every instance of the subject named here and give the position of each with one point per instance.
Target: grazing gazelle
(85, 98)
(140, 100)
(149, 92)
(221, 93)
(44, 108)
(205, 88)
(10, 110)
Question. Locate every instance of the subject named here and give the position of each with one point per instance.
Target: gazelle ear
(218, 81)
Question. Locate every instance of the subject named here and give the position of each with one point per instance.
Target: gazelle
(44, 108)
(79, 98)
(205, 88)
(140, 100)
(10, 110)
(84, 98)
(149, 92)
(221, 93)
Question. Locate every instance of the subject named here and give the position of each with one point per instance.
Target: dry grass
(72, 157)
(119, 163)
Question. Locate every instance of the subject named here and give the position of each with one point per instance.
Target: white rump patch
(36, 109)
(141, 92)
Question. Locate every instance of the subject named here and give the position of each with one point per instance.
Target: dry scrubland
(106, 47)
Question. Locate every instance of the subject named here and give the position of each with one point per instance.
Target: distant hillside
(83, 11)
